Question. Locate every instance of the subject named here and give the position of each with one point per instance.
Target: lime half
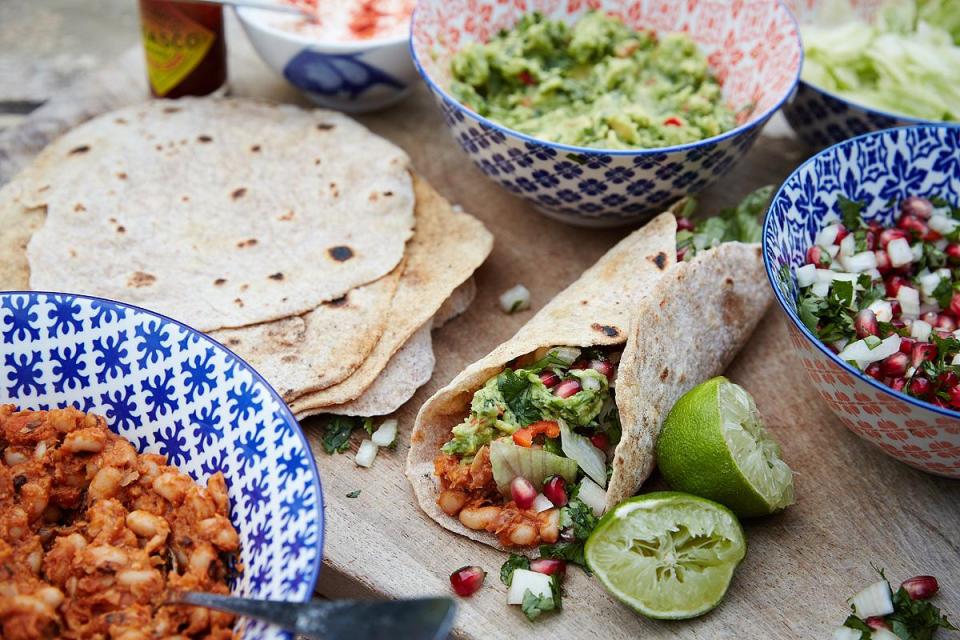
(713, 444)
(667, 554)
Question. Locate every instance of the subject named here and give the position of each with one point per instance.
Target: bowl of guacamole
(604, 115)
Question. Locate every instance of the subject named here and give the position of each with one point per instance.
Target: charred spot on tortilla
(78, 150)
(120, 121)
(171, 109)
(664, 374)
(158, 147)
(246, 244)
(121, 229)
(238, 302)
(340, 253)
(334, 191)
(289, 358)
(238, 193)
(219, 282)
(660, 260)
(122, 175)
(605, 329)
(316, 161)
(141, 279)
(387, 194)
(728, 281)
(184, 198)
(374, 196)
(244, 287)
(324, 126)
(284, 217)
(276, 276)
(79, 208)
(233, 341)
(338, 302)
(255, 149)
(204, 139)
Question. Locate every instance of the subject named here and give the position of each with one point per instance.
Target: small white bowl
(359, 76)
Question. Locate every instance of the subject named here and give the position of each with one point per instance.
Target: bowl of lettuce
(871, 66)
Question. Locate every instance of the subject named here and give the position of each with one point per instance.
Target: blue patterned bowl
(173, 391)
(355, 77)
(752, 45)
(821, 118)
(873, 168)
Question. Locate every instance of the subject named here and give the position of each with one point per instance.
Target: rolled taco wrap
(566, 412)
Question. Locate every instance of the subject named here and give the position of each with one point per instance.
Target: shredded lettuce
(907, 62)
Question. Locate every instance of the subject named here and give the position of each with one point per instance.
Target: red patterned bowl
(752, 46)
(875, 168)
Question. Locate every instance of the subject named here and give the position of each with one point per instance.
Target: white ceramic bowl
(355, 77)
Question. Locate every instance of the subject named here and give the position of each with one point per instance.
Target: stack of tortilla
(297, 238)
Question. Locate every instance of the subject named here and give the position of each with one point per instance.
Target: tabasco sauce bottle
(186, 53)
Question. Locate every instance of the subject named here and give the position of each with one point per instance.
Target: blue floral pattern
(175, 392)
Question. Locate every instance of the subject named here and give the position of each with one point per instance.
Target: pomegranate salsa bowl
(862, 247)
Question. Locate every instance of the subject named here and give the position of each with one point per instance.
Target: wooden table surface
(855, 506)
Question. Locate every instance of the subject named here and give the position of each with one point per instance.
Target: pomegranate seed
(895, 308)
(922, 351)
(920, 387)
(947, 380)
(681, 253)
(914, 225)
(889, 235)
(579, 364)
(875, 226)
(906, 345)
(549, 379)
(953, 253)
(600, 441)
(548, 566)
(525, 77)
(870, 240)
(954, 396)
(685, 224)
(873, 370)
(897, 384)
(877, 622)
(940, 402)
(866, 323)
(555, 489)
(883, 262)
(917, 206)
(955, 304)
(566, 388)
(818, 257)
(896, 365)
(921, 587)
(945, 322)
(893, 284)
(603, 366)
(467, 580)
(897, 323)
(842, 232)
(930, 317)
(523, 492)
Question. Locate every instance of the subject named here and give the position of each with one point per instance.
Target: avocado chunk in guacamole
(560, 386)
(597, 83)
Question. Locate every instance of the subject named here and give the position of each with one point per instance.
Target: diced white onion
(592, 460)
(828, 235)
(846, 633)
(833, 250)
(825, 275)
(921, 330)
(909, 299)
(861, 352)
(515, 299)
(956, 360)
(525, 580)
(899, 252)
(941, 244)
(541, 503)
(917, 250)
(875, 600)
(566, 355)
(806, 275)
(593, 496)
(928, 283)
(882, 309)
(386, 434)
(883, 634)
(942, 224)
(860, 262)
(821, 289)
(366, 454)
(848, 246)
(590, 383)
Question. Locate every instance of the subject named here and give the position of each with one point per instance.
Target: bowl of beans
(138, 458)
(862, 247)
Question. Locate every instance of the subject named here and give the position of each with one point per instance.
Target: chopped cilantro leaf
(850, 212)
(336, 433)
(514, 562)
(944, 292)
(579, 516)
(916, 619)
(572, 552)
(516, 393)
(533, 605)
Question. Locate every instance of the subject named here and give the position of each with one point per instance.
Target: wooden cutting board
(855, 506)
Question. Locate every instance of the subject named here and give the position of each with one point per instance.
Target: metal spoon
(270, 5)
(421, 619)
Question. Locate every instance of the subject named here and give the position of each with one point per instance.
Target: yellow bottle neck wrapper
(174, 43)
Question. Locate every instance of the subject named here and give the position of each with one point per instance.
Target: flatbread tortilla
(444, 252)
(220, 213)
(595, 310)
(672, 344)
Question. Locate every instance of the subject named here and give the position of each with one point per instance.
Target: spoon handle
(421, 619)
(270, 5)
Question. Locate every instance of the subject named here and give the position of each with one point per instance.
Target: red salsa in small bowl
(886, 299)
